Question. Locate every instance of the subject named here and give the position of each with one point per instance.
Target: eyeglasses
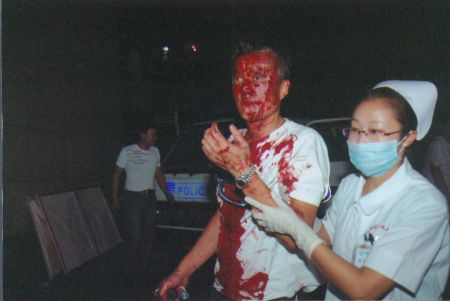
(353, 133)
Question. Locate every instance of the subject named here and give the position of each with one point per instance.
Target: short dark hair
(246, 47)
(143, 126)
(403, 112)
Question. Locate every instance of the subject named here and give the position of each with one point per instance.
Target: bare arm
(203, 249)
(161, 180)
(118, 171)
(352, 281)
(355, 283)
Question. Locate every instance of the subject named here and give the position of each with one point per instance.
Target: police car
(191, 177)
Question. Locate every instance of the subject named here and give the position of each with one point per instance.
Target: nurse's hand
(284, 220)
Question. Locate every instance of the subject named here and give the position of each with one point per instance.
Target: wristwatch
(243, 180)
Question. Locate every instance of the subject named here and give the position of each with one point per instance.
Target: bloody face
(256, 86)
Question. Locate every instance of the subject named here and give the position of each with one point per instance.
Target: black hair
(245, 47)
(403, 112)
(143, 126)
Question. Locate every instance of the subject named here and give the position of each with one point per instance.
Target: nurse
(386, 235)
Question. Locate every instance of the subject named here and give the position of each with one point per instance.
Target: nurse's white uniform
(400, 230)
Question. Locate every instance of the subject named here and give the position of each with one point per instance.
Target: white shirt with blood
(252, 264)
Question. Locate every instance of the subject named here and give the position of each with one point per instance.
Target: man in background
(141, 163)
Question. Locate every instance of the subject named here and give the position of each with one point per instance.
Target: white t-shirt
(253, 265)
(140, 166)
(438, 153)
(400, 230)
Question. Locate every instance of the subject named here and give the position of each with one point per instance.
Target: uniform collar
(387, 191)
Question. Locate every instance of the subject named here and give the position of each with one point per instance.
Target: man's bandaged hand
(284, 220)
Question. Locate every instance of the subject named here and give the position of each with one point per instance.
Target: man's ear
(284, 88)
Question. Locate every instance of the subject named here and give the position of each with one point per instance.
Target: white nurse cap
(421, 96)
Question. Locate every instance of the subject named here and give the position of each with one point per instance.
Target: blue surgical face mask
(374, 159)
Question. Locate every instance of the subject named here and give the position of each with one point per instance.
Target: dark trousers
(139, 224)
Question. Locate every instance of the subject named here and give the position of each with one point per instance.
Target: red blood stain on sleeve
(284, 148)
(285, 170)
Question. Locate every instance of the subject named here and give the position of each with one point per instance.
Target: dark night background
(337, 49)
(78, 75)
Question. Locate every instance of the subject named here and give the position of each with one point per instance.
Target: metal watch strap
(242, 181)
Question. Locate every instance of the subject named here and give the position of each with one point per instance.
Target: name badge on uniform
(363, 250)
(361, 253)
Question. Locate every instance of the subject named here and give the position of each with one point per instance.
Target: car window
(186, 154)
(331, 131)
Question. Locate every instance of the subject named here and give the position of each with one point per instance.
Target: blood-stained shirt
(252, 264)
